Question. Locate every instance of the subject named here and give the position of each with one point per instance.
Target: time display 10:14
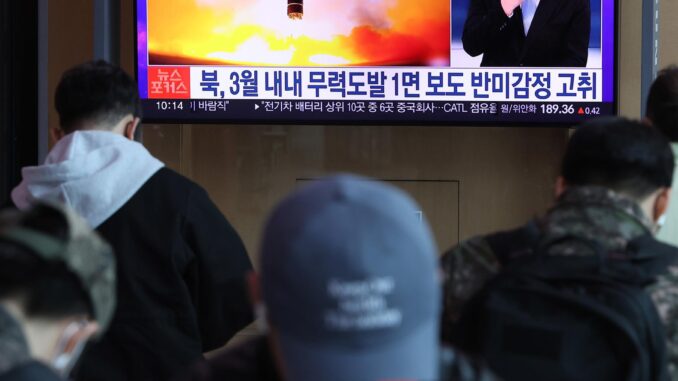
(169, 105)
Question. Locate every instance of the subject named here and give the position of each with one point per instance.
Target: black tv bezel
(335, 122)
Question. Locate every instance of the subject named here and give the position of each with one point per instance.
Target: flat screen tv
(449, 62)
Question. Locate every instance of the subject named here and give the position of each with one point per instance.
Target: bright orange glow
(331, 32)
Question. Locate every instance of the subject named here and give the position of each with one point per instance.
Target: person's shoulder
(167, 183)
(494, 246)
(168, 177)
(664, 293)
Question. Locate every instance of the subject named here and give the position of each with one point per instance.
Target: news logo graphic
(376, 61)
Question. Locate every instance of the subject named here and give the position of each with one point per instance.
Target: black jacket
(181, 286)
(32, 371)
(252, 361)
(558, 36)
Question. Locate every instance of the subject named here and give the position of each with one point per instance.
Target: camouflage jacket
(13, 347)
(592, 213)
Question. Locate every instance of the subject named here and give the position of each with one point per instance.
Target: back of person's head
(662, 103)
(620, 154)
(350, 284)
(95, 95)
(58, 277)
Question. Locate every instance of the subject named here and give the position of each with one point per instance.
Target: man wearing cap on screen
(349, 290)
(57, 289)
(531, 33)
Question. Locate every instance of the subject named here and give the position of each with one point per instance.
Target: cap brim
(412, 357)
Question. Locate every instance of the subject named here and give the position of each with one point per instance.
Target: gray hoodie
(94, 172)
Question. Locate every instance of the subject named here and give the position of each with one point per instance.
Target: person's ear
(661, 204)
(261, 319)
(131, 128)
(76, 333)
(84, 333)
(56, 133)
(253, 288)
(560, 187)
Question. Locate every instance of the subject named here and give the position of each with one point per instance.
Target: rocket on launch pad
(295, 9)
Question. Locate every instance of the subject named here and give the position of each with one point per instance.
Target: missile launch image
(295, 9)
(299, 33)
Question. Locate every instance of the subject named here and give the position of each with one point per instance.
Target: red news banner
(169, 82)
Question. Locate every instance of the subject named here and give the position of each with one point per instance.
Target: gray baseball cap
(84, 253)
(350, 280)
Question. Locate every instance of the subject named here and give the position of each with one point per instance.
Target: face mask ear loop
(661, 221)
(65, 358)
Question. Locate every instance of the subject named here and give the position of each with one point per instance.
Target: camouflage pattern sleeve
(665, 296)
(466, 268)
(13, 345)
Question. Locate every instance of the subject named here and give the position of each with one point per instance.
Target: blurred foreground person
(585, 292)
(57, 289)
(181, 266)
(349, 290)
(662, 112)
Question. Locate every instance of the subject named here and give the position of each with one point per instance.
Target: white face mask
(661, 221)
(64, 359)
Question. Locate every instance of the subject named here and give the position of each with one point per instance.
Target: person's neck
(647, 206)
(42, 337)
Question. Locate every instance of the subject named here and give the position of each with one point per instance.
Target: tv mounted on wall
(451, 62)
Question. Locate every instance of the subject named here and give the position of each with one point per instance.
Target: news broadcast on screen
(546, 62)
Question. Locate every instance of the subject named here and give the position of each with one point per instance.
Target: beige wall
(668, 33)
(488, 178)
(500, 176)
(70, 42)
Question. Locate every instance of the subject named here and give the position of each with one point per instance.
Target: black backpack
(567, 318)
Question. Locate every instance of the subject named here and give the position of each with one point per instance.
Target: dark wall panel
(18, 91)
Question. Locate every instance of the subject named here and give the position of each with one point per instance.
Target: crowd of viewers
(114, 267)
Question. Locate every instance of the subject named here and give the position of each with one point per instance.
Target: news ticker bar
(290, 111)
(386, 83)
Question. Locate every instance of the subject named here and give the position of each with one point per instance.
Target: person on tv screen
(533, 33)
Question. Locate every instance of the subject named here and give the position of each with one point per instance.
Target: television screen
(449, 62)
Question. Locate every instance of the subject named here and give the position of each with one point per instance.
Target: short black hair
(662, 102)
(95, 91)
(45, 289)
(617, 153)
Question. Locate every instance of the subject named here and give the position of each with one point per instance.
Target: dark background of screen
(460, 9)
